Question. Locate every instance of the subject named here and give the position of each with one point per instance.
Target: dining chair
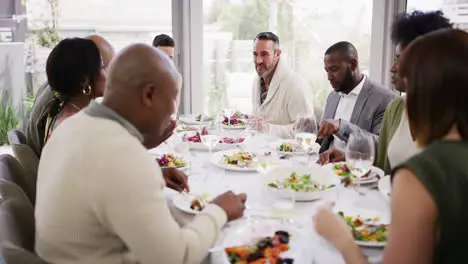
(16, 136)
(11, 170)
(16, 225)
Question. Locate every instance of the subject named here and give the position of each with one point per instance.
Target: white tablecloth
(207, 178)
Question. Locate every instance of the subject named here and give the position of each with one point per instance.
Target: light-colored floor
(5, 150)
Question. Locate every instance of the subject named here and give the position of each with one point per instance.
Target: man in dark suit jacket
(356, 105)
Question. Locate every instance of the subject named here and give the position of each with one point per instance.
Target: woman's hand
(332, 227)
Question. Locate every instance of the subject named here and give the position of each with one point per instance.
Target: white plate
(157, 156)
(190, 120)
(366, 213)
(183, 202)
(319, 174)
(370, 243)
(218, 157)
(218, 147)
(276, 145)
(248, 232)
(375, 174)
(234, 127)
(385, 187)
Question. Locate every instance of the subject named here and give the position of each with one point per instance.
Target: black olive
(286, 261)
(254, 256)
(283, 236)
(264, 243)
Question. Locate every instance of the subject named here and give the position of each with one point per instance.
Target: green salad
(300, 184)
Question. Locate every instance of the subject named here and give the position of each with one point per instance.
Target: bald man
(356, 103)
(111, 207)
(34, 124)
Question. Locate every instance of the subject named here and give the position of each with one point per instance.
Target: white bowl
(318, 173)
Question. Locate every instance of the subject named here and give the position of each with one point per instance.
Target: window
(121, 22)
(305, 29)
(455, 10)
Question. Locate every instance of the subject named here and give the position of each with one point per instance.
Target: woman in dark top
(76, 75)
(430, 190)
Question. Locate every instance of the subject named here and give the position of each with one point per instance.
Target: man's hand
(175, 179)
(168, 131)
(328, 128)
(232, 204)
(331, 155)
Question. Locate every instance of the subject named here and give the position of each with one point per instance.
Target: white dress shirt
(345, 108)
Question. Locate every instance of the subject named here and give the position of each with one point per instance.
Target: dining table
(204, 177)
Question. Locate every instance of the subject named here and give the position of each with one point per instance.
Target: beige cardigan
(288, 97)
(100, 200)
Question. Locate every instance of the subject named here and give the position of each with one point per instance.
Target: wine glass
(181, 147)
(305, 133)
(360, 155)
(251, 129)
(228, 112)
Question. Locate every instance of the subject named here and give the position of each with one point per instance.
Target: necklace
(74, 105)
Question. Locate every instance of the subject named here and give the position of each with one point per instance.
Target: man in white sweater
(100, 193)
(279, 95)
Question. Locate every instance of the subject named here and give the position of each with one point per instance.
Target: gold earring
(87, 90)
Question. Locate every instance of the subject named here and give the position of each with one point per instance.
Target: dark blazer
(367, 114)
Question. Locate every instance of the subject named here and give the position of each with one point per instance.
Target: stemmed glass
(228, 112)
(305, 133)
(211, 139)
(251, 129)
(360, 153)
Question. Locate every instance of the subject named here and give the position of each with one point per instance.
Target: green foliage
(48, 34)
(9, 119)
(244, 21)
(47, 37)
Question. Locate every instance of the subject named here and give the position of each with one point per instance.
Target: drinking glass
(182, 148)
(264, 163)
(228, 112)
(305, 133)
(359, 154)
(283, 204)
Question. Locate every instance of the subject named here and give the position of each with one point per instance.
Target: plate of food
(185, 128)
(292, 147)
(171, 161)
(342, 170)
(367, 231)
(264, 241)
(308, 183)
(190, 203)
(385, 187)
(199, 119)
(233, 123)
(235, 160)
(225, 142)
(240, 115)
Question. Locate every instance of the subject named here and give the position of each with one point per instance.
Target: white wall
(12, 71)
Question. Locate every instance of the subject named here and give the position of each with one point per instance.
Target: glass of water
(360, 153)
(283, 203)
(305, 133)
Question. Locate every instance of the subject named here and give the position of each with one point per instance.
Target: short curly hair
(408, 26)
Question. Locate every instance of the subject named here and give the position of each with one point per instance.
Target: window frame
(188, 32)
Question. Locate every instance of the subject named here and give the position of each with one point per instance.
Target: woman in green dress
(429, 197)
